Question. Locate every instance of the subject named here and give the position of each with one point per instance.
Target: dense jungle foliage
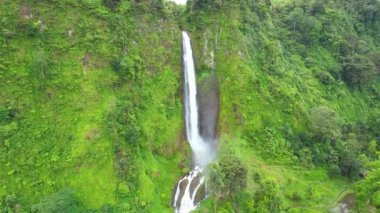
(91, 111)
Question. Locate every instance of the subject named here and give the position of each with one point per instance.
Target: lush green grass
(313, 185)
(270, 79)
(301, 189)
(61, 138)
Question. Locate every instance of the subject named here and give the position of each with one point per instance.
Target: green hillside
(91, 103)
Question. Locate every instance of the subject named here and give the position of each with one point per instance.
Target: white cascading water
(202, 150)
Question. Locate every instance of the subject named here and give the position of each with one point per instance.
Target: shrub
(334, 170)
(62, 201)
(112, 4)
(335, 70)
(9, 203)
(358, 70)
(305, 157)
(325, 78)
(368, 189)
(373, 122)
(325, 123)
(257, 177)
(267, 197)
(129, 67)
(5, 115)
(41, 65)
(123, 189)
(374, 57)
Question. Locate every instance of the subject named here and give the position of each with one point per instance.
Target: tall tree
(267, 197)
(235, 174)
(358, 70)
(325, 123)
(215, 183)
(373, 122)
(368, 190)
(227, 177)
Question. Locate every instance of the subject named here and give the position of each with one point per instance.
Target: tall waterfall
(187, 195)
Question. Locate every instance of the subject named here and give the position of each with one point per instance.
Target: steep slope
(89, 100)
(91, 116)
(282, 65)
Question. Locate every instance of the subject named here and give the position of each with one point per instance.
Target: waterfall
(187, 188)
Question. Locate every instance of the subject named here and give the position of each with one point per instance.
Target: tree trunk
(42, 72)
(216, 204)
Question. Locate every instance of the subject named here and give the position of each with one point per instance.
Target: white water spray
(203, 154)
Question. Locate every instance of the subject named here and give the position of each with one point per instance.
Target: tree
(10, 203)
(227, 176)
(307, 27)
(369, 11)
(62, 201)
(374, 57)
(41, 65)
(325, 124)
(368, 190)
(334, 170)
(305, 157)
(112, 4)
(373, 122)
(267, 197)
(5, 115)
(352, 143)
(317, 7)
(350, 165)
(129, 67)
(123, 189)
(235, 174)
(215, 182)
(358, 70)
(372, 148)
(348, 150)
(296, 19)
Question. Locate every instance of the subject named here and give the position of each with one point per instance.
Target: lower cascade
(191, 189)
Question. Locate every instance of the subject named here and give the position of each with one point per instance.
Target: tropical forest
(179, 106)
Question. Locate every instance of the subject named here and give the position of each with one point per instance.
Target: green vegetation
(89, 100)
(62, 201)
(91, 111)
(299, 88)
(226, 177)
(368, 190)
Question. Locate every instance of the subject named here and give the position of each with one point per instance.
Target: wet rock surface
(346, 205)
(182, 187)
(201, 194)
(196, 188)
(194, 183)
(208, 99)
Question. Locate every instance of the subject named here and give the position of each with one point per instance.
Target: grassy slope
(61, 137)
(260, 109)
(54, 124)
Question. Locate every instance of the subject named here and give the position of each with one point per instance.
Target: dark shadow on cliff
(208, 106)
